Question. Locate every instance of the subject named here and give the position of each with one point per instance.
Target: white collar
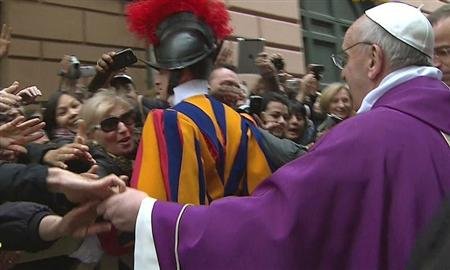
(395, 78)
(189, 89)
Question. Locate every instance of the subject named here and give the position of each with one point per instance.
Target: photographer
(309, 85)
(269, 81)
(71, 74)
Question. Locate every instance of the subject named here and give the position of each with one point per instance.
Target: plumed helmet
(183, 32)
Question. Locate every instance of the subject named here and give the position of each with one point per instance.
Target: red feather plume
(144, 16)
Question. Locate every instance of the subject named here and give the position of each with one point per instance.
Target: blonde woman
(337, 103)
(110, 123)
(337, 100)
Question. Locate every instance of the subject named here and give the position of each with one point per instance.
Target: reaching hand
(122, 209)
(78, 223)
(59, 157)
(309, 84)
(78, 188)
(92, 173)
(8, 97)
(5, 40)
(225, 54)
(29, 94)
(17, 133)
(228, 94)
(81, 136)
(104, 63)
(265, 65)
(76, 150)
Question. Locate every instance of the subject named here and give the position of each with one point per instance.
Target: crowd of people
(344, 177)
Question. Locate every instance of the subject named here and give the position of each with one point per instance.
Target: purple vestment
(357, 201)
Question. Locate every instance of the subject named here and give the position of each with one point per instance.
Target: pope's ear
(377, 62)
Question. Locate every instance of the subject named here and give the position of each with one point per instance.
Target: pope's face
(355, 72)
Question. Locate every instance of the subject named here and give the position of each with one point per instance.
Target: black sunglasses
(111, 123)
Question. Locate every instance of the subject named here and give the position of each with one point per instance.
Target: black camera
(122, 59)
(255, 104)
(317, 70)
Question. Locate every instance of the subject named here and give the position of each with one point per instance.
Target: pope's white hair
(398, 53)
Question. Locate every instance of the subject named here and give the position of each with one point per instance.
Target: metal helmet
(184, 41)
(183, 32)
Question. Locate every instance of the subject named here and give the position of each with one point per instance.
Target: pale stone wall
(45, 30)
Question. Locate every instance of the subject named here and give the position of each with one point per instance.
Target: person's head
(274, 113)
(61, 112)
(380, 42)
(185, 36)
(223, 75)
(222, 80)
(297, 121)
(124, 85)
(336, 99)
(110, 120)
(440, 19)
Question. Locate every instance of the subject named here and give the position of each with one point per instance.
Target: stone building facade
(45, 30)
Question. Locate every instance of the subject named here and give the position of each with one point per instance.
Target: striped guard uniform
(198, 151)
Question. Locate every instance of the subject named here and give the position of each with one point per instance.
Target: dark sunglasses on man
(111, 123)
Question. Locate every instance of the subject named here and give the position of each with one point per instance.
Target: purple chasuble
(357, 200)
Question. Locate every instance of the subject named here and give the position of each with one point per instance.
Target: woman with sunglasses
(110, 124)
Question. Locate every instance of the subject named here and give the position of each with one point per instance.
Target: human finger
(36, 91)
(31, 126)
(271, 125)
(9, 98)
(34, 136)
(26, 124)
(78, 220)
(60, 164)
(91, 174)
(15, 122)
(93, 169)
(4, 107)
(64, 157)
(98, 227)
(105, 60)
(13, 88)
(109, 185)
(263, 55)
(17, 148)
(81, 135)
(29, 93)
(75, 148)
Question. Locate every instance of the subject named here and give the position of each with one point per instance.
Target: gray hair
(101, 104)
(398, 53)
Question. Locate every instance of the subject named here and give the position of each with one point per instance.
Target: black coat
(21, 182)
(19, 226)
(109, 164)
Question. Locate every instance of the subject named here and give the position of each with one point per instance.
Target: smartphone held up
(121, 59)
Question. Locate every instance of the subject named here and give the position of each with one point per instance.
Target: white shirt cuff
(144, 248)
